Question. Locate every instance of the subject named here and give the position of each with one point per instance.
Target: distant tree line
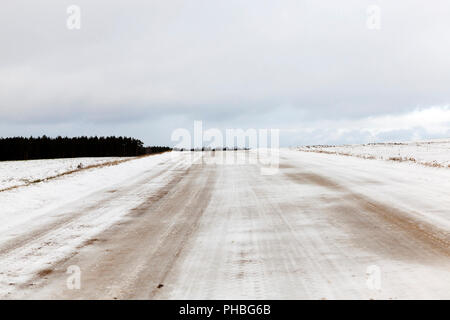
(20, 148)
(156, 149)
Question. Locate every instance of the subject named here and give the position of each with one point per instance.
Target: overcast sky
(311, 68)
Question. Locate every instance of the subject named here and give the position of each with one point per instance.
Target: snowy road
(323, 227)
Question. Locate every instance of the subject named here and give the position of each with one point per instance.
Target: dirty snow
(313, 230)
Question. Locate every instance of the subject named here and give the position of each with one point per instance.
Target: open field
(431, 153)
(19, 173)
(182, 225)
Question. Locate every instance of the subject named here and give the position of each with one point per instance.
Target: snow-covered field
(434, 153)
(17, 173)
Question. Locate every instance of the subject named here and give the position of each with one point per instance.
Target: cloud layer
(146, 68)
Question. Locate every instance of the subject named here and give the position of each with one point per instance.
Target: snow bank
(434, 153)
(18, 173)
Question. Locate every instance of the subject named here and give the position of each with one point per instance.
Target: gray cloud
(145, 68)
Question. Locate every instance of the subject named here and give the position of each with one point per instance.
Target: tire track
(434, 237)
(66, 218)
(50, 245)
(132, 259)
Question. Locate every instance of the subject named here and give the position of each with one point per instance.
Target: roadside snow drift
(18, 173)
(433, 153)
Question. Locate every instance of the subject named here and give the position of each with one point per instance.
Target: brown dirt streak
(205, 196)
(21, 241)
(90, 242)
(143, 251)
(93, 166)
(438, 239)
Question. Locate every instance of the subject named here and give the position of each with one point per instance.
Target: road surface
(322, 227)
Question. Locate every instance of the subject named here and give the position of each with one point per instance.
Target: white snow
(33, 207)
(435, 153)
(17, 173)
(420, 190)
(265, 236)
